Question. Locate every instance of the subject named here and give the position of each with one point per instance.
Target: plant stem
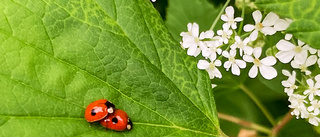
(281, 124)
(258, 103)
(242, 16)
(220, 13)
(241, 122)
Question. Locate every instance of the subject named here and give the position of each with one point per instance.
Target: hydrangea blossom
(229, 18)
(265, 26)
(264, 65)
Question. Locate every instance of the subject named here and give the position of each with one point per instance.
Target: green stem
(220, 13)
(242, 16)
(259, 104)
(248, 124)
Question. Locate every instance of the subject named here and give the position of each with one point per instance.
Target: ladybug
(98, 110)
(118, 121)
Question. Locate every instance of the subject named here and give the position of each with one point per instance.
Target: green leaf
(57, 56)
(179, 14)
(305, 15)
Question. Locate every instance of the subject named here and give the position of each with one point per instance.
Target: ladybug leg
(91, 124)
(110, 107)
(129, 125)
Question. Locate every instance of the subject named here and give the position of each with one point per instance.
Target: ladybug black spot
(114, 120)
(93, 112)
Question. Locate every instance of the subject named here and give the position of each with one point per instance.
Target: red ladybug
(98, 110)
(118, 121)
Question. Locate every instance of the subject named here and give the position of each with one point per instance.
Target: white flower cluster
(304, 98)
(236, 51)
(228, 44)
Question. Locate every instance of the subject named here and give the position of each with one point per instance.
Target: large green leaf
(306, 16)
(57, 56)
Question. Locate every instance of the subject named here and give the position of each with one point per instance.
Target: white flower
(264, 65)
(235, 64)
(313, 89)
(225, 35)
(287, 51)
(297, 103)
(211, 50)
(191, 40)
(229, 18)
(153, 0)
(211, 68)
(242, 45)
(303, 63)
(315, 105)
(313, 119)
(290, 83)
(264, 27)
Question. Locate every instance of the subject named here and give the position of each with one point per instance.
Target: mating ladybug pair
(105, 112)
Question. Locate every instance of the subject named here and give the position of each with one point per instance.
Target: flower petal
(238, 19)
(195, 30)
(301, 57)
(285, 56)
(311, 60)
(248, 58)
(254, 35)
(270, 19)
(203, 64)
(248, 27)
(286, 73)
(227, 65)
(240, 63)
(285, 45)
(269, 61)
(224, 18)
(253, 71)
(230, 11)
(288, 36)
(257, 52)
(281, 25)
(257, 16)
(268, 72)
(268, 30)
(217, 63)
(235, 70)
(310, 82)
